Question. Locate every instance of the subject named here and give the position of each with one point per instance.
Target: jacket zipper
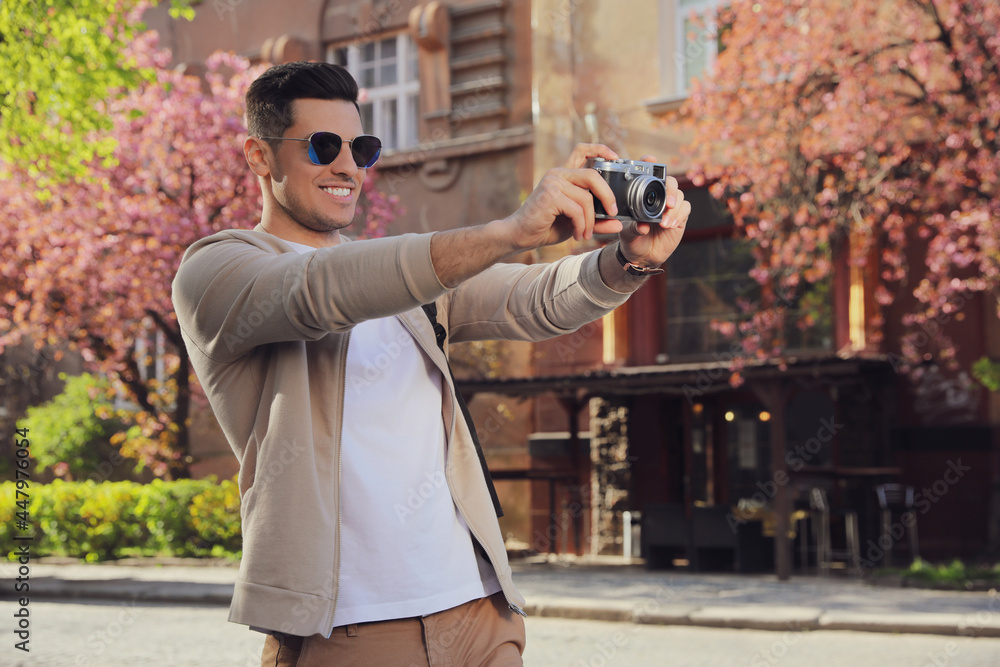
(340, 440)
(513, 607)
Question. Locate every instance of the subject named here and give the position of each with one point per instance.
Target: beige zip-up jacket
(267, 329)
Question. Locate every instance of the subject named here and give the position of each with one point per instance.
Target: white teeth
(338, 192)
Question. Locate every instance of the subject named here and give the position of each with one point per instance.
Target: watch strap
(635, 269)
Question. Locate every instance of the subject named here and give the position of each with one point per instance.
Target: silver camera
(640, 188)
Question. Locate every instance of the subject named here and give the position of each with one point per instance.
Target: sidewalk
(590, 590)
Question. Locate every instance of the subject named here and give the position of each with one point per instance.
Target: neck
(276, 223)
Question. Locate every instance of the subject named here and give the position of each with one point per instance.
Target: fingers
(591, 184)
(563, 204)
(677, 218)
(678, 209)
(608, 226)
(581, 152)
(578, 188)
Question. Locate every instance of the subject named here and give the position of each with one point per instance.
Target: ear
(258, 155)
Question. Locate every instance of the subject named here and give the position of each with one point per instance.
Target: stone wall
(610, 474)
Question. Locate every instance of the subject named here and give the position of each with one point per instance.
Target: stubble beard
(312, 220)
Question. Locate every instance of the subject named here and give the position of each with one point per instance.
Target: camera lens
(647, 197)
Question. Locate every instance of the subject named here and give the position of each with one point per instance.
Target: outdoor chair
(896, 499)
(714, 542)
(826, 555)
(803, 523)
(666, 534)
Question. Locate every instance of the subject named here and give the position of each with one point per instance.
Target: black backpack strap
(441, 335)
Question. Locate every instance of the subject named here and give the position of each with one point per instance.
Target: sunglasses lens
(366, 150)
(324, 147)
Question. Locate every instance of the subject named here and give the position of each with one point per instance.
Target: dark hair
(269, 98)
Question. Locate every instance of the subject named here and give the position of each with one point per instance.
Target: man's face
(321, 198)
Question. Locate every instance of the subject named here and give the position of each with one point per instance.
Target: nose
(345, 164)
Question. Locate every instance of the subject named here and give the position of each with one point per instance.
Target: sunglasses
(324, 147)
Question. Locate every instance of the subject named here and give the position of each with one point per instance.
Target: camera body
(640, 188)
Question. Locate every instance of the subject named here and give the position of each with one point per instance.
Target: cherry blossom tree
(863, 128)
(91, 266)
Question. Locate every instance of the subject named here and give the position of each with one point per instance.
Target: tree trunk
(182, 415)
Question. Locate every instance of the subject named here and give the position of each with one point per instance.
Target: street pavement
(604, 590)
(113, 633)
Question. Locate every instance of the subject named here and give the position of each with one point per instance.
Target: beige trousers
(479, 632)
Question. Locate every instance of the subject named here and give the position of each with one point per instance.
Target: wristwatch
(635, 269)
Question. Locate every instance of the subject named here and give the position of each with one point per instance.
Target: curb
(130, 589)
(772, 618)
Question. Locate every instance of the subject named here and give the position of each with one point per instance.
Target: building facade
(636, 414)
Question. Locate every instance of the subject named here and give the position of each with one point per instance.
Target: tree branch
(131, 375)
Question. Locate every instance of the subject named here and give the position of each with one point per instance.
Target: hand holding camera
(639, 187)
(654, 206)
(594, 193)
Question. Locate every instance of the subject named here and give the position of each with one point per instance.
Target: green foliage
(62, 61)
(95, 522)
(954, 575)
(987, 372)
(70, 434)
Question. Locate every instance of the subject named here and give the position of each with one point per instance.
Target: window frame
(404, 91)
(703, 8)
(714, 233)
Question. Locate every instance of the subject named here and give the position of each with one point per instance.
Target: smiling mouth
(337, 192)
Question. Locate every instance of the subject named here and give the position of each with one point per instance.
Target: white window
(697, 39)
(150, 351)
(386, 70)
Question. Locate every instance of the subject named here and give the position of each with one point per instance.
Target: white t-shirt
(404, 548)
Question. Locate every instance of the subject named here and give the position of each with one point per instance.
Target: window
(698, 39)
(747, 437)
(707, 278)
(708, 282)
(387, 71)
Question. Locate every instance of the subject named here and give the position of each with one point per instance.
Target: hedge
(111, 520)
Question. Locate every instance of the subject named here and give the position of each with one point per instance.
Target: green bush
(71, 434)
(187, 518)
(954, 575)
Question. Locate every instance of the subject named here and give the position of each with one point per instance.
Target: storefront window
(709, 290)
(708, 277)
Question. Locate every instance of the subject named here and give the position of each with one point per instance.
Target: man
(325, 375)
